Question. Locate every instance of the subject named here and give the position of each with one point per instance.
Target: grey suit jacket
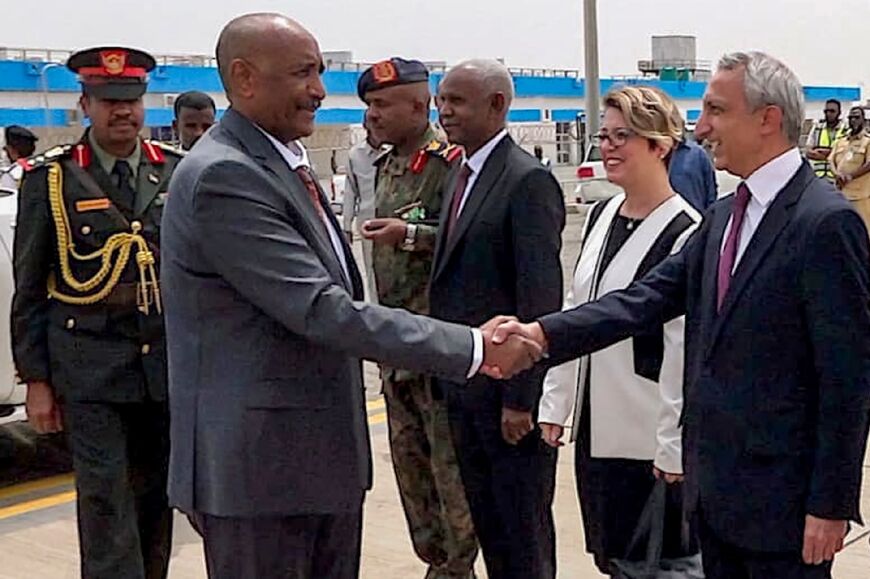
(265, 336)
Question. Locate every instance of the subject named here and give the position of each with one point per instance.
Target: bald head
(473, 102)
(255, 37)
(270, 67)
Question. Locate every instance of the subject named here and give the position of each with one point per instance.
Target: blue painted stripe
(25, 76)
(565, 115)
(33, 117)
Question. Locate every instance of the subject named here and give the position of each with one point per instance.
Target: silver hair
(495, 76)
(769, 82)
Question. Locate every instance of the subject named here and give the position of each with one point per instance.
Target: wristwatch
(410, 237)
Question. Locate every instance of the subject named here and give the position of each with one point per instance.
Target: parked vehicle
(12, 394)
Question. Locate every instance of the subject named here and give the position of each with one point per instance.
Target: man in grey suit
(270, 454)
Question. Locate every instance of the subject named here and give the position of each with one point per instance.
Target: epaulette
(445, 151)
(51, 155)
(156, 152)
(168, 148)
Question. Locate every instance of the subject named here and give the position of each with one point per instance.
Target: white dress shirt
(764, 185)
(476, 162)
(295, 155)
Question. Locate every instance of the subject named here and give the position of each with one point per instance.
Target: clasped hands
(510, 347)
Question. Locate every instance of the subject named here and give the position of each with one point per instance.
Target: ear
(771, 120)
(242, 78)
(498, 103)
(85, 104)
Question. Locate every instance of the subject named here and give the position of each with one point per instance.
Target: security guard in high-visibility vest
(821, 139)
(86, 317)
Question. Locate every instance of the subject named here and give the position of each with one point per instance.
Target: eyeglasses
(617, 137)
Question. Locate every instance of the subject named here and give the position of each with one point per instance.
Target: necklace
(632, 223)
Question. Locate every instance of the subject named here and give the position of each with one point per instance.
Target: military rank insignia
(412, 213)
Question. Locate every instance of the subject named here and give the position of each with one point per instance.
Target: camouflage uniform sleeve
(424, 240)
(32, 260)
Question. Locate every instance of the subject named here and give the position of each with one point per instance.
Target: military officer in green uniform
(86, 317)
(408, 195)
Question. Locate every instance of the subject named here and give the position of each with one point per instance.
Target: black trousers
(296, 547)
(725, 561)
(121, 459)
(509, 488)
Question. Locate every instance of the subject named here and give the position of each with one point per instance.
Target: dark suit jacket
(776, 385)
(265, 338)
(503, 257)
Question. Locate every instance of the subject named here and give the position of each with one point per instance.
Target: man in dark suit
(270, 452)
(775, 290)
(498, 253)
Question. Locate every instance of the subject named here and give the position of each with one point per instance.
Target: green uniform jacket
(108, 351)
(410, 188)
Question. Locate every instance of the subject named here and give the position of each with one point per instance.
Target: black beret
(112, 72)
(19, 133)
(392, 72)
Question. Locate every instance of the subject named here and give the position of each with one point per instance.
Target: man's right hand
(509, 357)
(552, 434)
(43, 411)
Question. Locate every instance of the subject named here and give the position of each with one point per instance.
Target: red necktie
(313, 192)
(729, 254)
(458, 194)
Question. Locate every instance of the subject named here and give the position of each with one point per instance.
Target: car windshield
(593, 154)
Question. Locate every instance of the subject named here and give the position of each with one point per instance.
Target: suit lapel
(446, 203)
(483, 186)
(262, 150)
(772, 225)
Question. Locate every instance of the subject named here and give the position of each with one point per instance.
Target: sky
(824, 41)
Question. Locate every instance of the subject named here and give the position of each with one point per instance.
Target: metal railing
(61, 55)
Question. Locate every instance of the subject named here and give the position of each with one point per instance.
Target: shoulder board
(442, 150)
(47, 157)
(156, 152)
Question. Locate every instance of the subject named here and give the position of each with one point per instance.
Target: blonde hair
(649, 112)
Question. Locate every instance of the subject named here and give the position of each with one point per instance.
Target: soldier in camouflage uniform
(408, 191)
(86, 317)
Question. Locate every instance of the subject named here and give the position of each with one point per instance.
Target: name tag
(93, 204)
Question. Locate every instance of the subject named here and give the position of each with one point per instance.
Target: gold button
(70, 323)
(146, 348)
(136, 225)
(86, 229)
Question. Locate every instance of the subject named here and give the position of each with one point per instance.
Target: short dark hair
(193, 99)
(835, 102)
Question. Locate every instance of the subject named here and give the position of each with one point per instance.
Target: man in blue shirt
(692, 175)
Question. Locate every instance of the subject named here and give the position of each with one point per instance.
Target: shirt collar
(476, 161)
(107, 160)
(770, 178)
(294, 152)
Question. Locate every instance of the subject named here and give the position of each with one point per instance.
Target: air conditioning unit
(169, 100)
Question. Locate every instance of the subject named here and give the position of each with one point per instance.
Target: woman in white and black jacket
(627, 398)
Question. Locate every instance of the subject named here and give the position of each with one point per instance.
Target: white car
(12, 393)
(592, 184)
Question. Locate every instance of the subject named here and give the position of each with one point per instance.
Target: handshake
(511, 347)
